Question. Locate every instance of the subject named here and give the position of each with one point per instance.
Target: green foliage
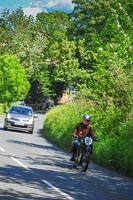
(104, 46)
(53, 24)
(115, 152)
(13, 82)
(90, 47)
(60, 121)
(116, 139)
(1, 109)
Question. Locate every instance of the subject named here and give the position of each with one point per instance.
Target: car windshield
(20, 110)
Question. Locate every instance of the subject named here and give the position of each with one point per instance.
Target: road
(32, 168)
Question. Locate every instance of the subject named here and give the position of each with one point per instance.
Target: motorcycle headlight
(88, 141)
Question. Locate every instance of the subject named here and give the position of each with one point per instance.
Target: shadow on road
(83, 186)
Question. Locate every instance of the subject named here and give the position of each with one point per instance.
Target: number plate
(18, 124)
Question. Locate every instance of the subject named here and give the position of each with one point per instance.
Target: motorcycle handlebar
(81, 138)
(96, 139)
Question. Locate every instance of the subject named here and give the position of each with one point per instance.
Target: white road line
(44, 181)
(21, 164)
(2, 149)
(57, 190)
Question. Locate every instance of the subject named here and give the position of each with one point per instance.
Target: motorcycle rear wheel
(85, 161)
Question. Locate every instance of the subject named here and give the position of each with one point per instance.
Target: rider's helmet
(86, 116)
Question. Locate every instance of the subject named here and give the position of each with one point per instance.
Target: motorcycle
(82, 155)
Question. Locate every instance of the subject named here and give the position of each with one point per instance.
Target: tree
(54, 26)
(28, 44)
(13, 83)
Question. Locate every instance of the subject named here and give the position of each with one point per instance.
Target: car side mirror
(5, 111)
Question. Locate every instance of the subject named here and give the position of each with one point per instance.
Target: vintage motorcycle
(82, 155)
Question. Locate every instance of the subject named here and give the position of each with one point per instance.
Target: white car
(20, 118)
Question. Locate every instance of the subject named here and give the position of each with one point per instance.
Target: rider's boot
(72, 157)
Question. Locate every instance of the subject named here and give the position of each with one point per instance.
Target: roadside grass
(115, 149)
(60, 121)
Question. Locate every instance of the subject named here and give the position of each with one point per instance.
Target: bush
(115, 148)
(60, 121)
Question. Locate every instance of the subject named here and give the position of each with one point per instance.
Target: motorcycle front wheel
(78, 156)
(85, 161)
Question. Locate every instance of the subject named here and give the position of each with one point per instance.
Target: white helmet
(86, 116)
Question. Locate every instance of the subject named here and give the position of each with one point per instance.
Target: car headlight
(31, 120)
(8, 116)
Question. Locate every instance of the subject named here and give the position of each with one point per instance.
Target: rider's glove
(80, 137)
(96, 139)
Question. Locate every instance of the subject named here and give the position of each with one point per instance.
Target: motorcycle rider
(84, 128)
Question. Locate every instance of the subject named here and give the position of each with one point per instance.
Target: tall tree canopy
(13, 83)
(84, 47)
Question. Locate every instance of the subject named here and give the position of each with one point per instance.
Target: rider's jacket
(81, 130)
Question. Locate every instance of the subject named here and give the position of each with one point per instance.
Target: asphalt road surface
(32, 168)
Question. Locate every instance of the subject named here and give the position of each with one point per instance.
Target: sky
(32, 7)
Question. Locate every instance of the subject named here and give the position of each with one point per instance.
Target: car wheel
(31, 132)
(5, 128)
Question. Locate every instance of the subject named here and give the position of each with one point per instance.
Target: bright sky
(32, 7)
